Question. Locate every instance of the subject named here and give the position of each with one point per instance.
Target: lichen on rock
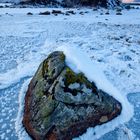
(61, 104)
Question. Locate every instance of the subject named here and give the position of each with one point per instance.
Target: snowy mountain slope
(71, 3)
(13, 1)
(111, 41)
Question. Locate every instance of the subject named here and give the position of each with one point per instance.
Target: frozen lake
(111, 41)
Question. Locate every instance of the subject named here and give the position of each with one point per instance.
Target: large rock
(61, 104)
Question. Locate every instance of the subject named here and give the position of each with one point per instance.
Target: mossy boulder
(61, 104)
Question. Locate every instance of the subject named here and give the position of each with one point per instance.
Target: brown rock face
(61, 104)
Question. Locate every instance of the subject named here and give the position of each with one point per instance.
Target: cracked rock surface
(61, 104)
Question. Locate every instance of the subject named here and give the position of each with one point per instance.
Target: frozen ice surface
(110, 41)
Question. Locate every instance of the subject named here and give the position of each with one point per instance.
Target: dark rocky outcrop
(73, 3)
(61, 104)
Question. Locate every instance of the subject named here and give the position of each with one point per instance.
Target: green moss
(47, 122)
(39, 81)
(39, 94)
(38, 74)
(48, 107)
(39, 88)
(62, 57)
(45, 67)
(72, 77)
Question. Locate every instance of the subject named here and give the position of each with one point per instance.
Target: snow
(22, 69)
(22, 135)
(4, 4)
(108, 42)
(12, 1)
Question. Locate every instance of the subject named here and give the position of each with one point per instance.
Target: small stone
(45, 13)
(29, 13)
(107, 13)
(81, 13)
(118, 10)
(104, 119)
(118, 13)
(128, 7)
(57, 12)
(70, 12)
(95, 9)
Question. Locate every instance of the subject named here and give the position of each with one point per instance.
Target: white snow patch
(125, 133)
(2, 136)
(21, 133)
(14, 75)
(79, 61)
(24, 69)
(4, 4)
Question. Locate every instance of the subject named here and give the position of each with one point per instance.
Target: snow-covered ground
(110, 41)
